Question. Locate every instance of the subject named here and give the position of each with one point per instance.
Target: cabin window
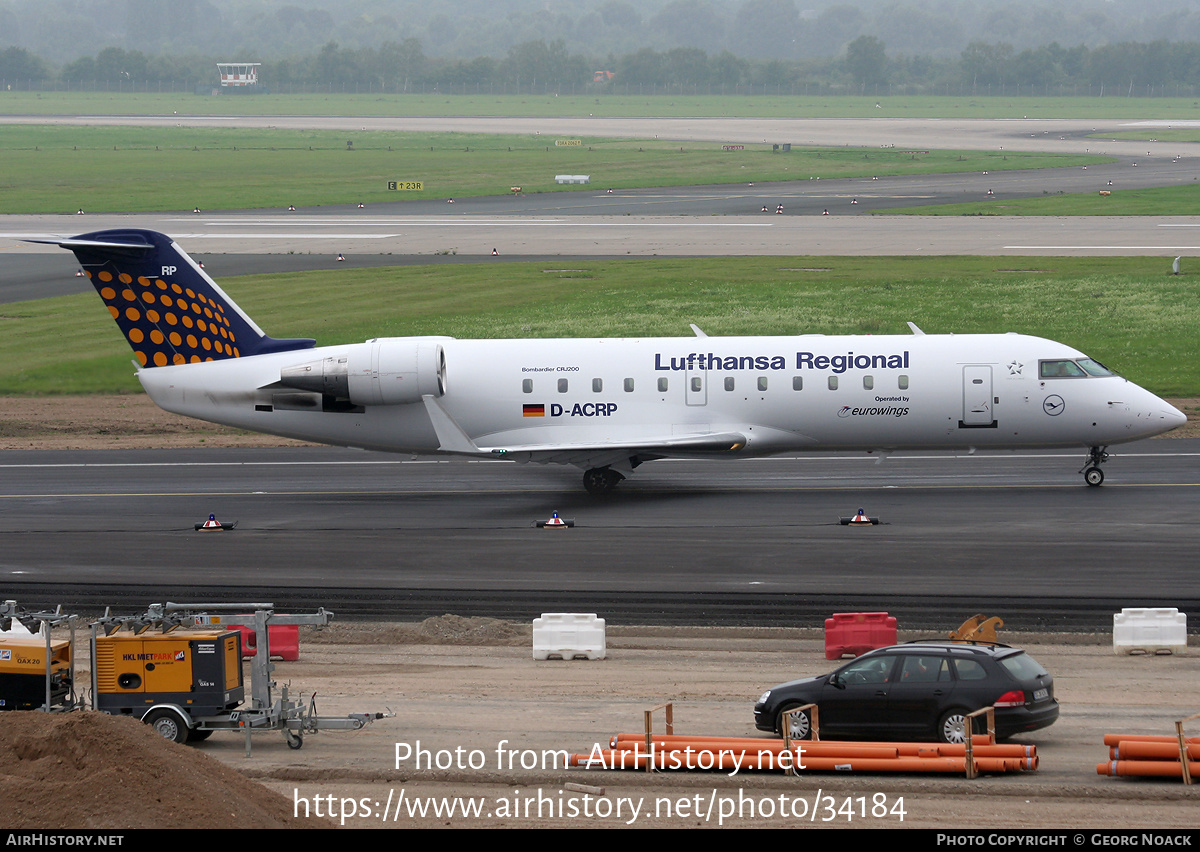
(562, 385)
(833, 382)
(902, 382)
(797, 382)
(697, 384)
(597, 385)
(662, 385)
(629, 386)
(729, 383)
(762, 383)
(868, 383)
(527, 385)
(970, 670)
(1060, 370)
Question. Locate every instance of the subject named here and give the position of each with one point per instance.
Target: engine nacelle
(387, 371)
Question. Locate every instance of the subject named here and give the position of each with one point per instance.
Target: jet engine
(387, 371)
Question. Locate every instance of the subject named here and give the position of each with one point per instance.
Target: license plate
(1041, 694)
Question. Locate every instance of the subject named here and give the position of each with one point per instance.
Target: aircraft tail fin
(167, 307)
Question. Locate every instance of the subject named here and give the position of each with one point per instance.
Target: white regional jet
(605, 405)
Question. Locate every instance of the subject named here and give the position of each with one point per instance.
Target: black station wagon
(918, 690)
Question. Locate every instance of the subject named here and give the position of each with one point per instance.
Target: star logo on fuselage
(1014, 368)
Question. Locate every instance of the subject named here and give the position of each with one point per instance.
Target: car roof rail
(958, 643)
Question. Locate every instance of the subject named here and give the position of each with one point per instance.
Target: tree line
(1158, 67)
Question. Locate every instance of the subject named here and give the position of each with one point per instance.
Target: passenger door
(854, 699)
(977, 411)
(923, 690)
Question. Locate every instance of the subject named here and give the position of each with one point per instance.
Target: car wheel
(169, 725)
(951, 726)
(801, 724)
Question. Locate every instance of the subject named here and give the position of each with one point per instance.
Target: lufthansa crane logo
(1053, 405)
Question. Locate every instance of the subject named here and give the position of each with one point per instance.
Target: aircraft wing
(453, 439)
(602, 454)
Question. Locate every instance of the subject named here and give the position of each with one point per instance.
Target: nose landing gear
(1092, 474)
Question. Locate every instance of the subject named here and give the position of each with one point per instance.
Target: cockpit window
(1061, 370)
(1095, 368)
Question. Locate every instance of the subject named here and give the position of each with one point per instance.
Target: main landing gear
(1092, 474)
(601, 480)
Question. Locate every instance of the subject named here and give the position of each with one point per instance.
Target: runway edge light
(860, 519)
(555, 523)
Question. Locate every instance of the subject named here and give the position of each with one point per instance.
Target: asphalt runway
(732, 542)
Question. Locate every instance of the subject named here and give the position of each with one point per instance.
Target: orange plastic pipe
(1151, 751)
(1117, 739)
(982, 749)
(765, 747)
(707, 760)
(1148, 768)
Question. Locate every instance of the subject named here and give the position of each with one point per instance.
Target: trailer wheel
(168, 724)
(197, 735)
(294, 741)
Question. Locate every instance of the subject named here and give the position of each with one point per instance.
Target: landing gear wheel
(294, 741)
(1092, 474)
(601, 480)
(168, 724)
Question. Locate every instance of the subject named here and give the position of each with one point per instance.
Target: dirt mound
(92, 770)
(117, 421)
(441, 630)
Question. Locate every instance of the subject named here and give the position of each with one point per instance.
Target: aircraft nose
(1173, 416)
(1167, 416)
(1153, 415)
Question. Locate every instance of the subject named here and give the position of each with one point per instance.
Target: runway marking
(355, 235)
(493, 223)
(341, 222)
(334, 463)
(658, 489)
(1158, 122)
(1106, 248)
(497, 461)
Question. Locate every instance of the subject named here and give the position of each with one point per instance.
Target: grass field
(1157, 201)
(1122, 311)
(598, 104)
(1158, 134)
(57, 169)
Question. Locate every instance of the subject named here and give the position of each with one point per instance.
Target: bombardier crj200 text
(605, 405)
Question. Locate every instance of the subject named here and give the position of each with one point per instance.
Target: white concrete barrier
(568, 635)
(1150, 631)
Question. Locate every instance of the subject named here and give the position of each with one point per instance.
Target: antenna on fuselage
(914, 328)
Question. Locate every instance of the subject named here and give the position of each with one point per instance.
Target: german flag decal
(533, 410)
